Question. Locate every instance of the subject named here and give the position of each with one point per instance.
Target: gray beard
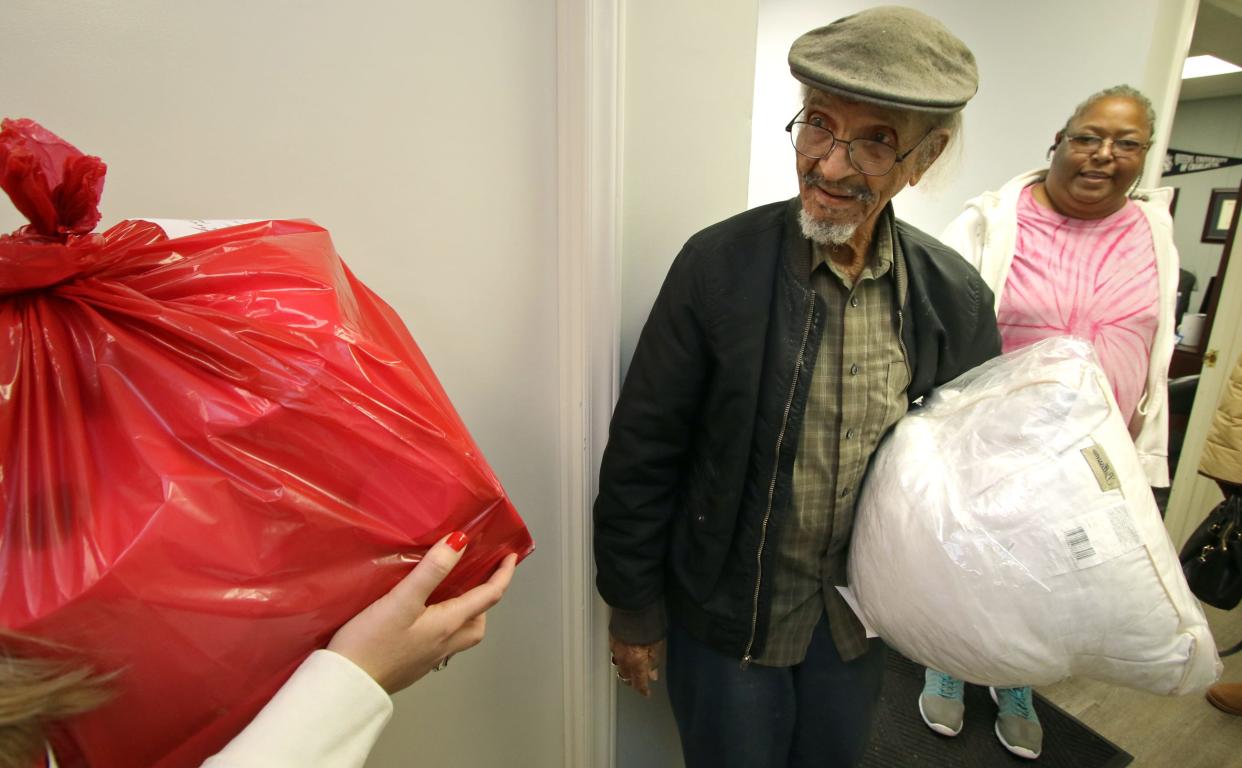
(825, 232)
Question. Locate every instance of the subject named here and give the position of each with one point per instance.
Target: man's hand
(637, 665)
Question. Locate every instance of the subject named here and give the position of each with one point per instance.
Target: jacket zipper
(903, 291)
(767, 515)
(901, 342)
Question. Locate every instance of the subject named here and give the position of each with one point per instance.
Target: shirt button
(854, 369)
(849, 434)
(853, 301)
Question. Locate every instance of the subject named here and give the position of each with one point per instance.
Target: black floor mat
(900, 739)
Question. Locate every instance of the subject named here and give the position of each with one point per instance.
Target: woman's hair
(1117, 92)
(38, 690)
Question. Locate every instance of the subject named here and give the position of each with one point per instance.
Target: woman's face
(1091, 182)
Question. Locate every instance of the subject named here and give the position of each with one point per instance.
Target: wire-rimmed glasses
(1089, 144)
(867, 156)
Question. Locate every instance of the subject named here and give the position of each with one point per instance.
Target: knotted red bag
(216, 449)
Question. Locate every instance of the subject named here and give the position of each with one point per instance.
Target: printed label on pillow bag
(1050, 548)
(1101, 467)
(1096, 537)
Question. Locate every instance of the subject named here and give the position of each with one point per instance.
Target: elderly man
(784, 343)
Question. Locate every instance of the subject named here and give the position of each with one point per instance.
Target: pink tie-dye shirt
(1093, 278)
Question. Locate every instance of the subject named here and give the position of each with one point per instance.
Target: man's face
(1085, 184)
(836, 194)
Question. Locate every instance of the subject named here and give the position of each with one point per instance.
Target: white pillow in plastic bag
(1006, 535)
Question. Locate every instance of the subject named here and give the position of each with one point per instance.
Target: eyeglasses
(1088, 144)
(868, 157)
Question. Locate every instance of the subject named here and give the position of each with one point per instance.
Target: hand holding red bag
(216, 449)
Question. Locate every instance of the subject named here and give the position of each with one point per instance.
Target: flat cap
(890, 55)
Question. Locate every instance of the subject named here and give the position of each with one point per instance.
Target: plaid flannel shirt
(858, 391)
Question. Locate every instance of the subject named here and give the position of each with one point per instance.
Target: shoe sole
(1023, 752)
(1019, 751)
(939, 728)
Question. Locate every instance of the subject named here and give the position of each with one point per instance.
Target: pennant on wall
(1179, 161)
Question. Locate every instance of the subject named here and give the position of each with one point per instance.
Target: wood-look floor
(1181, 732)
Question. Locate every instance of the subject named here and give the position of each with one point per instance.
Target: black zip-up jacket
(697, 475)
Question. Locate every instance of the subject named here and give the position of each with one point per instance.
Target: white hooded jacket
(985, 234)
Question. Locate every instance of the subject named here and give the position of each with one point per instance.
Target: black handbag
(1212, 557)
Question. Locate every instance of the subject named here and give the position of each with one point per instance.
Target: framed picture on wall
(1219, 214)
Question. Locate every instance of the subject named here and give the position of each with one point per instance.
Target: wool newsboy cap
(893, 56)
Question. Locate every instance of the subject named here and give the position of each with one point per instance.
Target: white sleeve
(328, 715)
(965, 235)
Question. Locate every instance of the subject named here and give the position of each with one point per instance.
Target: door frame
(1193, 495)
(588, 267)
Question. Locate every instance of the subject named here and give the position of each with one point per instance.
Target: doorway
(1204, 166)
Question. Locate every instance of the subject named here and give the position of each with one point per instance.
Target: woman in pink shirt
(1076, 249)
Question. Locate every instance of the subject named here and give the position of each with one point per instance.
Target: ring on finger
(443, 663)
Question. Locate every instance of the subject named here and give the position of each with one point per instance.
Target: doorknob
(1209, 360)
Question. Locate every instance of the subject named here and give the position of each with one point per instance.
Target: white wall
(1209, 127)
(1036, 61)
(688, 68)
(686, 129)
(423, 135)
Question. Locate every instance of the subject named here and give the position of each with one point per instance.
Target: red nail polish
(457, 540)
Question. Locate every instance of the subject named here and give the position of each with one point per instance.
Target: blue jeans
(817, 713)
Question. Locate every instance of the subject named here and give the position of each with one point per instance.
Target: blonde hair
(39, 690)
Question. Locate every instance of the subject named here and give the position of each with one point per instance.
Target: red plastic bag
(216, 450)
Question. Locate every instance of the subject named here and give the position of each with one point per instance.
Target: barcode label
(1080, 544)
(1077, 543)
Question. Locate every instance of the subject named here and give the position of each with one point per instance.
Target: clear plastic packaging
(1006, 535)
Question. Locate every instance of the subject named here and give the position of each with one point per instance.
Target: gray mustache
(860, 191)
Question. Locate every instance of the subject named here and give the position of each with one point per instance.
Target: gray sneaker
(941, 703)
(1017, 725)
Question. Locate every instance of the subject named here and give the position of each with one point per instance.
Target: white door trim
(588, 212)
(1193, 495)
(1175, 25)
